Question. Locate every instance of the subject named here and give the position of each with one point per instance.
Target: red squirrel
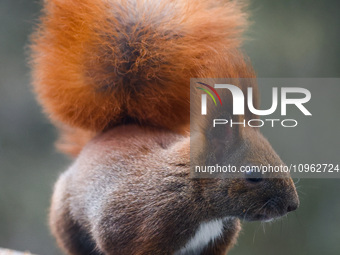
(114, 76)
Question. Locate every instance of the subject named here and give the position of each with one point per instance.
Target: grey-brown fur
(129, 192)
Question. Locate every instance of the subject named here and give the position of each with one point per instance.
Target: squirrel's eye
(253, 174)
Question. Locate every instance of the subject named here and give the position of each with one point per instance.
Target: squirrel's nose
(292, 197)
(293, 205)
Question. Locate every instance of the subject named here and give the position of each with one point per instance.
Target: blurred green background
(287, 39)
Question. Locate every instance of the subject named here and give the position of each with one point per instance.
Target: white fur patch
(206, 232)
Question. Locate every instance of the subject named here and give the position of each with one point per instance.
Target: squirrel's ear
(217, 133)
(221, 136)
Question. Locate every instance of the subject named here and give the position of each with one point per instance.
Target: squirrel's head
(253, 192)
